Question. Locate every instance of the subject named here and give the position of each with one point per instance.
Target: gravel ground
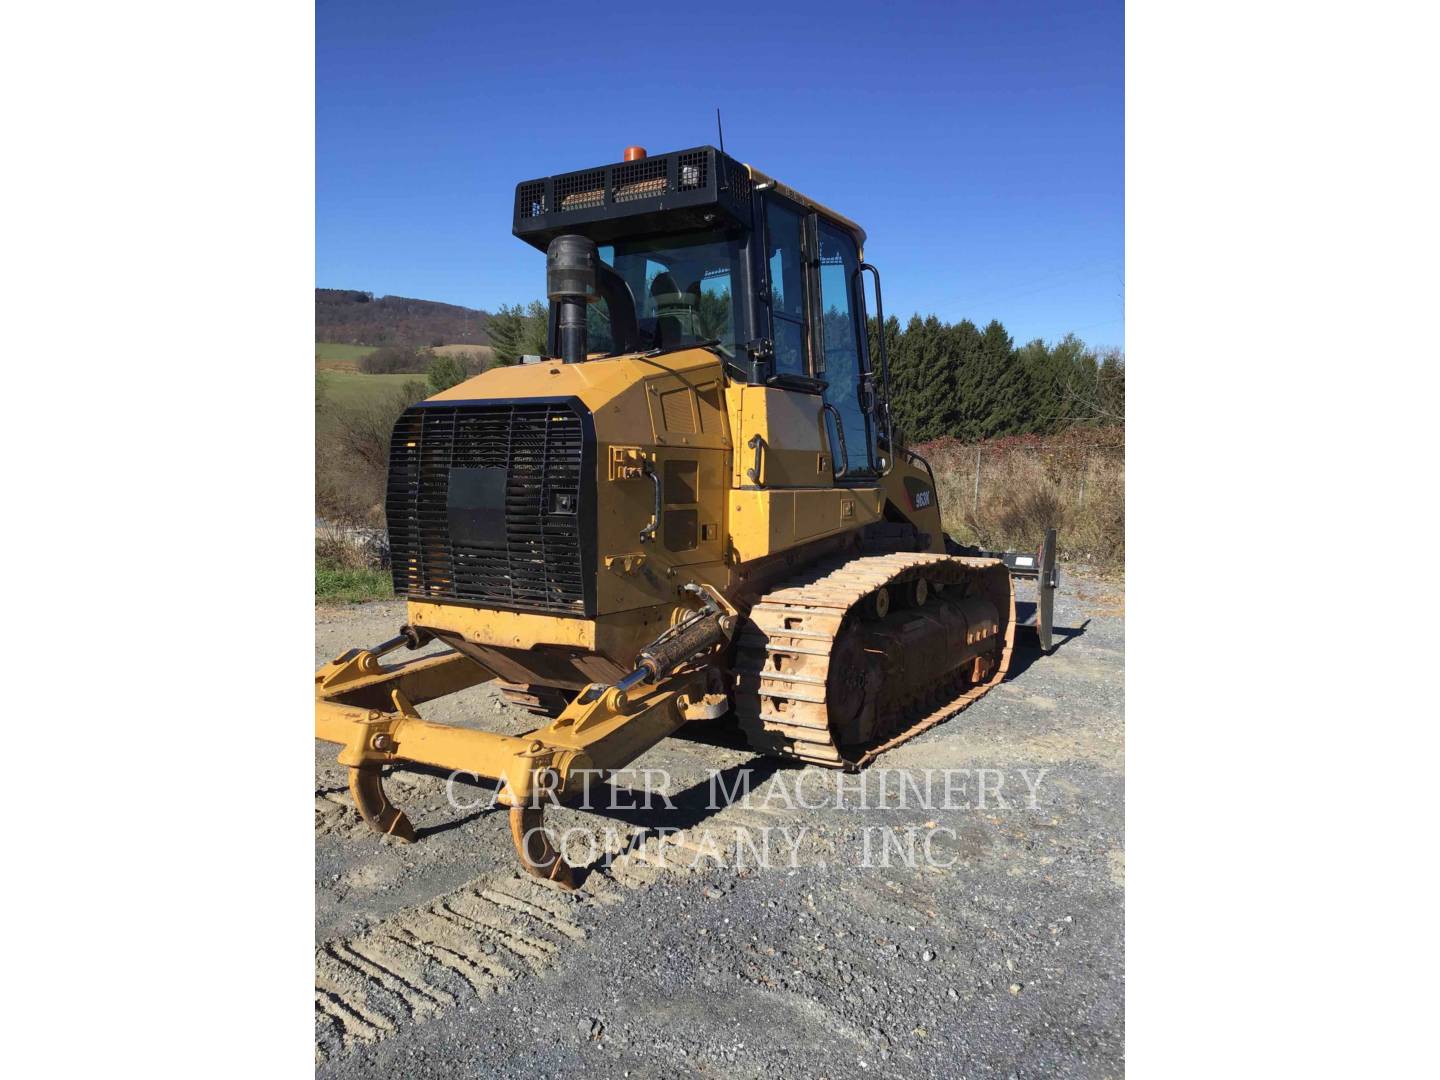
(990, 945)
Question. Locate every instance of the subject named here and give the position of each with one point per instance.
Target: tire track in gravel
(418, 963)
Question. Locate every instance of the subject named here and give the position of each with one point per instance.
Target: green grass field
(346, 388)
(332, 357)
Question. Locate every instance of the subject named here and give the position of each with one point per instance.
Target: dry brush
(1074, 480)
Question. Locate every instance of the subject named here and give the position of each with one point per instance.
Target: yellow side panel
(796, 450)
(684, 440)
(817, 513)
(769, 521)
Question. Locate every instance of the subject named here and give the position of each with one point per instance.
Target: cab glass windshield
(684, 286)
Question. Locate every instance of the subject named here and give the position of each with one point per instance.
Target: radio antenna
(719, 130)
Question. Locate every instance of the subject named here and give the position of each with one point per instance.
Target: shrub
(396, 359)
(1031, 511)
(349, 566)
(352, 455)
(1073, 480)
(445, 372)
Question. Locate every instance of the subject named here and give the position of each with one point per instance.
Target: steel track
(789, 701)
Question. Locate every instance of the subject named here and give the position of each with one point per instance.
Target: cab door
(840, 347)
(782, 441)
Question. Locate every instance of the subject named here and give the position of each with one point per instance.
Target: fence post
(976, 511)
(1084, 469)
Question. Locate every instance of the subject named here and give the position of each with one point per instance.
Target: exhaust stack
(571, 283)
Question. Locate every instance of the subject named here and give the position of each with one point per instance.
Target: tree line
(952, 380)
(352, 317)
(443, 370)
(960, 381)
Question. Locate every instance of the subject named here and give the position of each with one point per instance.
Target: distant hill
(350, 317)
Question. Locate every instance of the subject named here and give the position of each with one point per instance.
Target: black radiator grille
(533, 453)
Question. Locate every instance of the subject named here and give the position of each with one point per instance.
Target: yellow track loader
(693, 507)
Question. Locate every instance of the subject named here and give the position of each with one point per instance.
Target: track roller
(853, 658)
(877, 604)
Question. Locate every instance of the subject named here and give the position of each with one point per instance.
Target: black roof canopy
(700, 188)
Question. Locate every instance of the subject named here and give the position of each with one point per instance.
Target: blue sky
(981, 145)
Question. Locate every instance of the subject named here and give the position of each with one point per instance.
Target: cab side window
(787, 287)
(840, 339)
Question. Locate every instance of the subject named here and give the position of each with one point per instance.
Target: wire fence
(1004, 494)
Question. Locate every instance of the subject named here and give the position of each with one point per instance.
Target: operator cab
(696, 249)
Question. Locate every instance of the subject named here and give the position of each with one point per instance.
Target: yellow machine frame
(749, 467)
(649, 412)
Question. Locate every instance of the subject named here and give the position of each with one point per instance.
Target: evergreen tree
(517, 331)
(957, 380)
(935, 370)
(968, 390)
(906, 403)
(1043, 400)
(1008, 389)
(1073, 370)
(1110, 396)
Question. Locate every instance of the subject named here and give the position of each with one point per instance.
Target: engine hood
(613, 389)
